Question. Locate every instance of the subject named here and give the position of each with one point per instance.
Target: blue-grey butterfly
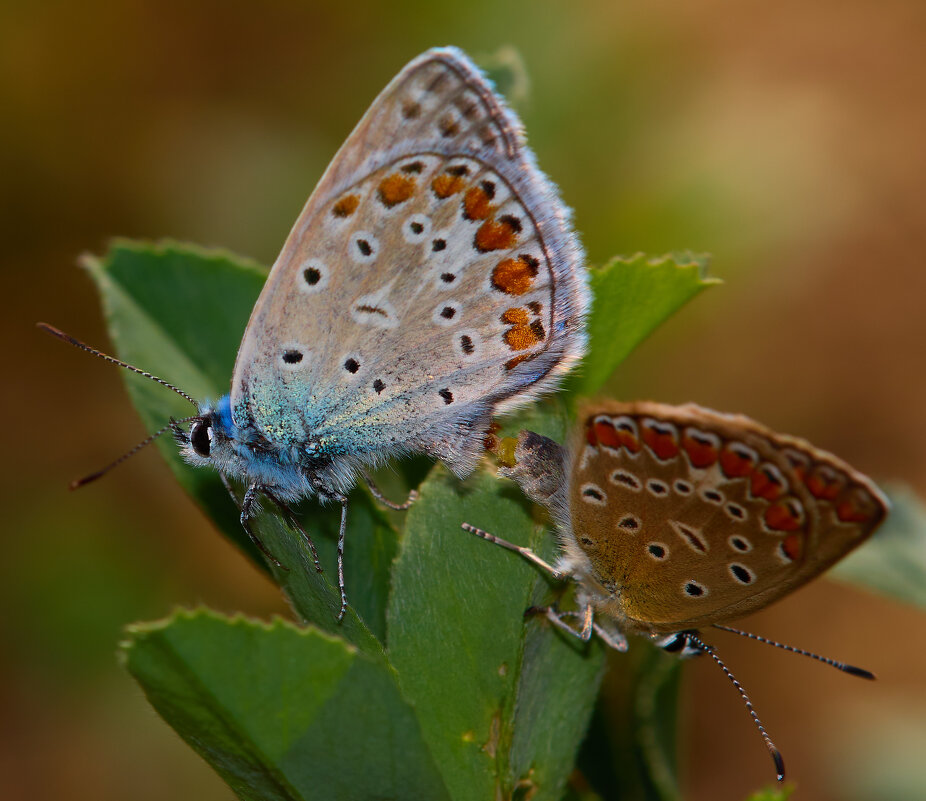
(431, 281)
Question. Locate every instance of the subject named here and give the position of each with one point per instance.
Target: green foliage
(629, 752)
(281, 711)
(631, 297)
(435, 685)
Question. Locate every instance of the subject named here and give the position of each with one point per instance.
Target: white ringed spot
(313, 276)
(626, 480)
(293, 356)
(629, 523)
(593, 494)
(374, 310)
(712, 495)
(657, 550)
(656, 487)
(736, 512)
(364, 247)
(741, 574)
(446, 313)
(416, 229)
(467, 343)
(694, 589)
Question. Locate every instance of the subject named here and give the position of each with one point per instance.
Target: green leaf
(180, 311)
(503, 700)
(657, 717)
(893, 561)
(630, 748)
(435, 640)
(631, 297)
(282, 713)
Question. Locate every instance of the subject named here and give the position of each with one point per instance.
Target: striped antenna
(693, 638)
(111, 359)
(172, 425)
(80, 482)
(845, 668)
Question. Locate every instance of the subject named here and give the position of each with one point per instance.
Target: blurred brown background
(787, 139)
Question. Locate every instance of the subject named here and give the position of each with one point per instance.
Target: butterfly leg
(251, 497)
(377, 493)
(527, 553)
(343, 529)
(558, 619)
(611, 637)
(294, 523)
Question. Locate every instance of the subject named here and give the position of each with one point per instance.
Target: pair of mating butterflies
(433, 280)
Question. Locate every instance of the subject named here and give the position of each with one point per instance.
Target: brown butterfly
(673, 518)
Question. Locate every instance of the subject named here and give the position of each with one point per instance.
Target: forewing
(694, 517)
(431, 279)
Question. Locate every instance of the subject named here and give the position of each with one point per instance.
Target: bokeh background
(786, 139)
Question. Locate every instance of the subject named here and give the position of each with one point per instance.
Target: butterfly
(432, 280)
(674, 518)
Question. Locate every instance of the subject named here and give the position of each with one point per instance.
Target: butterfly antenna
(709, 650)
(851, 669)
(112, 360)
(80, 482)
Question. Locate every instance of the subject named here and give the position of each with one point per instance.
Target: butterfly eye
(201, 437)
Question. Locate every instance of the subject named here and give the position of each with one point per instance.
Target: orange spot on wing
(477, 203)
(610, 436)
(500, 234)
(800, 464)
(523, 333)
(629, 440)
(515, 276)
(606, 434)
(396, 188)
(521, 337)
(854, 507)
(824, 483)
(346, 206)
(516, 316)
(784, 516)
(663, 443)
(766, 485)
(446, 184)
(516, 360)
(791, 545)
(702, 450)
(735, 464)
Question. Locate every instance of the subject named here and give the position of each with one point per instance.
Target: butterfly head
(212, 437)
(201, 437)
(242, 452)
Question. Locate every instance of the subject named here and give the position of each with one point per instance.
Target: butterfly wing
(691, 517)
(431, 279)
